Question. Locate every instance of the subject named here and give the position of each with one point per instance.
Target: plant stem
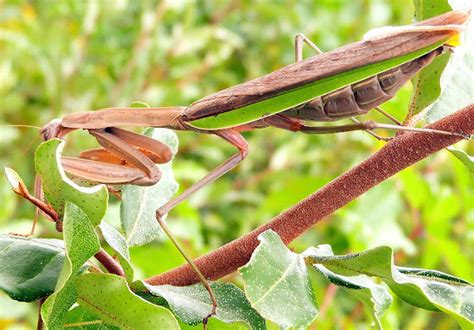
(401, 152)
(102, 256)
(109, 263)
(40, 323)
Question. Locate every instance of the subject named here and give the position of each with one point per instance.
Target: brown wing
(339, 60)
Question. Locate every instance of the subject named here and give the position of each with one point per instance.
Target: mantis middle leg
(232, 136)
(235, 138)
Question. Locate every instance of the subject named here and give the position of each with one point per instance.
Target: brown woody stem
(401, 152)
(109, 263)
(40, 323)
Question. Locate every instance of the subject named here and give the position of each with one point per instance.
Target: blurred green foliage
(59, 57)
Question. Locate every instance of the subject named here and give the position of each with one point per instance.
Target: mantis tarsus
(342, 83)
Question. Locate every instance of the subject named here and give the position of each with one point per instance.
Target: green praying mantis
(342, 83)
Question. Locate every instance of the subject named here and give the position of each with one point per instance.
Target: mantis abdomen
(358, 98)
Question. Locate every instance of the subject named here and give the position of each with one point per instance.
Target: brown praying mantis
(342, 83)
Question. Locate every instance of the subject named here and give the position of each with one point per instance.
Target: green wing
(302, 94)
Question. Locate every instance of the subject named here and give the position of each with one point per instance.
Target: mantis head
(52, 129)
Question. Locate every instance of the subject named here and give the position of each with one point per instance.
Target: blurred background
(59, 57)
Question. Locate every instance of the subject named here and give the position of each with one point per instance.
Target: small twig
(44, 207)
(40, 324)
(395, 156)
(102, 256)
(328, 299)
(109, 263)
(354, 316)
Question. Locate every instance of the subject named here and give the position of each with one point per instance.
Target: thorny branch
(401, 152)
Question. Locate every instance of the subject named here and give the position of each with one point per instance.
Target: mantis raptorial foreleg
(126, 158)
(132, 161)
(157, 151)
(128, 153)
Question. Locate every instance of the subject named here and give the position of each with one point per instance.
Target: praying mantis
(342, 83)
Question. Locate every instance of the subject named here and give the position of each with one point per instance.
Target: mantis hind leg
(295, 125)
(300, 40)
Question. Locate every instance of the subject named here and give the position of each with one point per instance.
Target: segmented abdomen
(359, 98)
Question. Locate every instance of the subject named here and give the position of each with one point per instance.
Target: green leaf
(425, 9)
(109, 297)
(81, 243)
(277, 283)
(117, 242)
(374, 262)
(13, 179)
(464, 158)
(29, 267)
(435, 290)
(81, 319)
(376, 298)
(457, 80)
(140, 203)
(58, 188)
(193, 303)
(428, 289)
(139, 104)
(426, 83)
